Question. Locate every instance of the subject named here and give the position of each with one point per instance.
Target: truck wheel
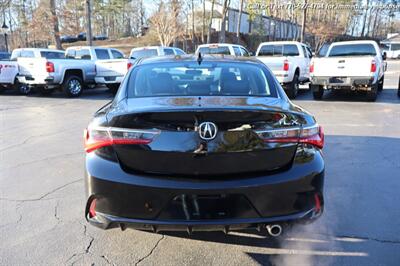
(72, 86)
(373, 93)
(380, 84)
(2, 89)
(317, 91)
(22, 88)
(113, 88)
(292, 88)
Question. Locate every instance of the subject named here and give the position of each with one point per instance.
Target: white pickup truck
(110, 64)
(289, 61)
(72, 70)
(8, 77)
(355, 65)
(150, 51)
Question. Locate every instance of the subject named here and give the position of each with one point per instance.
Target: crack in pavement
(40, 160)
(151, 251)
(44, 195)
(87, 248)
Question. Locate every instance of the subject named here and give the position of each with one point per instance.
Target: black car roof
(194, 58)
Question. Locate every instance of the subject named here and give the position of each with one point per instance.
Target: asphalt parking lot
(42, 194)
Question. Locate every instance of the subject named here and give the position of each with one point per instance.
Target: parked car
(100, 37)
(150, 51)
(202, 144)
(355, 65)
(8, 77)
(222, 48)
(392, 50)
(68, 39)
(47, 70)
(5, 56)
(81, 36)
(289, 61)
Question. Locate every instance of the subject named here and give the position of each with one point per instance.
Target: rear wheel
(72, 86)
(2, 89)
(113, 88)
(317, 91)
(22, 88)
(373, 93)
(292, 88)
(380, 84)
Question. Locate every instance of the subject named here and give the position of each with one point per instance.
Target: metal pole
(89, 23)
(5, 39)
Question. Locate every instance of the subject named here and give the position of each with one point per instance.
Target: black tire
(22, 88)
(373, 93)
(2, 89)
(317, 91)
(113, 88)
(398, 90)
(380, 84)
(44, 91)
(72, 86)
(292, 88)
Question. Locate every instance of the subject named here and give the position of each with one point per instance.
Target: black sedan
(202, 143)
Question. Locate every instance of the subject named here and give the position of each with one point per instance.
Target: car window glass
(395, 46)
(236, 50)
(215, 50)
(15, 54)
(27, 53)
(279, 50)
(52, 55)
(83, 54)
(216, 78)
(168, 51)
(179, 52)
(352, 50)
(116, 54)
(102, 54)
(137, 54)
(244, 51)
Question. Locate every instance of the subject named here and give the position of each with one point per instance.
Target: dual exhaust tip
(274, 229)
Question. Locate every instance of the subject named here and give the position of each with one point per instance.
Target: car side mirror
(384, 56)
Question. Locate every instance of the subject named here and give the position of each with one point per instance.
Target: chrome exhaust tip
(274, 229)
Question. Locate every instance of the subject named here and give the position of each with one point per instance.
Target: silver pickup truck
(71, 70)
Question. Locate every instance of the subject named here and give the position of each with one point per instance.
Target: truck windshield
(137, 54)
(352, 50)
(215, 50)
(52, 55)
(279, 50)
(208, 78)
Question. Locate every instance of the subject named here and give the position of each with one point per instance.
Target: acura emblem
(207, 130)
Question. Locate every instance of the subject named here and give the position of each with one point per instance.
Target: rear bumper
(283, 77)
(32, 81)
(168, 203)
(109, 80)
(343, 82)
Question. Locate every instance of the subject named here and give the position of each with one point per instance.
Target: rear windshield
(279, 50)
(352, 50)
(52, 55)
(208, 78)
(137, 54)
(215, 50)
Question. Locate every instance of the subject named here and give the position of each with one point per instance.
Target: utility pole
(303, 24)
(89, 38)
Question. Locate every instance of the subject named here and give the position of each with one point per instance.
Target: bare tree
(303, 23)
(203, 26)
(223, 23)
(210, 21)
(164, 22)
(239, 21)
(56, 30)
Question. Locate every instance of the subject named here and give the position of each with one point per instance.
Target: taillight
(286, 65)
(312, 135)
(312, 67)
(98, 137)
(129, 65)
(49, 67)
(373, 66)
(92, 209)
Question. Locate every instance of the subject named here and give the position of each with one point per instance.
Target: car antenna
(199, 58)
